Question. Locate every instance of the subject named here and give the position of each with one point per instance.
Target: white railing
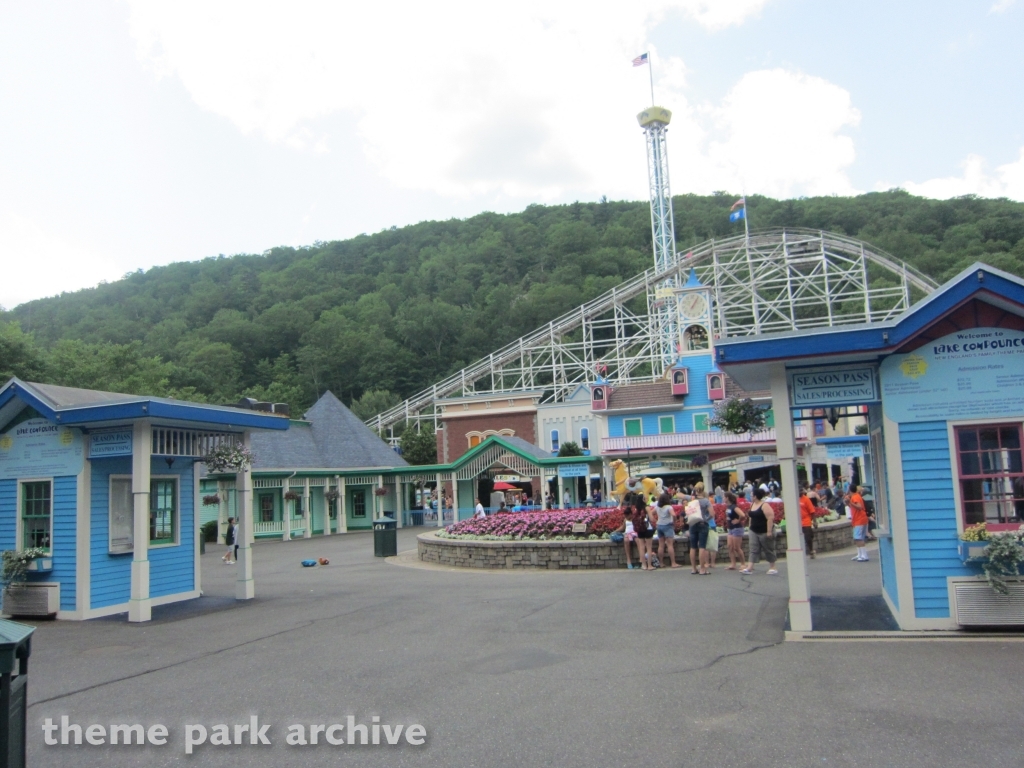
(270, 526)
(695, 440)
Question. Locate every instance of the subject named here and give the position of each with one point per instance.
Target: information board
(845, 451)
(970, 374)
(835, 385)
(38, 448)
(573, 470)
(103, 444)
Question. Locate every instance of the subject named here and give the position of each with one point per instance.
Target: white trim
(197, 530)
(83, 538)
(898, 522)
(113, 610)
(954, 461)
(19, 530)
(110, 495)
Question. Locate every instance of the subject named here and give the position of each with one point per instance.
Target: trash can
(15, 648)
(417, 516)
(385, 537)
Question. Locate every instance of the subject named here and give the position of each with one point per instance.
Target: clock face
(693, 305)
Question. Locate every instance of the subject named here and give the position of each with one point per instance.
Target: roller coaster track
(777, 280)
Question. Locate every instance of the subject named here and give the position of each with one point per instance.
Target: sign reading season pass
(839, 385)
(110, 444)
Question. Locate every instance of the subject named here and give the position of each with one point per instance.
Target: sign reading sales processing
(835, 385)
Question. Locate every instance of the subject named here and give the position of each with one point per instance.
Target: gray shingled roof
(333, 438)
(526, 447)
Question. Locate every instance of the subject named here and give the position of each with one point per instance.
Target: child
(229, 539)
(628, 534)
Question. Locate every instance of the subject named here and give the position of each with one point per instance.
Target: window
(880, 484)
(633, 427)
(35, 514)
(474, 440)
(700, 422)
(695, 338)
(819, 427)
(715, 382)
(122, 515)
(554, 439)
(991, 474)
(769, 419)
(358, 503)
(585, 439)
(666, 425)
(598, 393)
(163, 512)
(266, 508)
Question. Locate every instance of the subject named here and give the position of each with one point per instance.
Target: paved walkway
(523, 669)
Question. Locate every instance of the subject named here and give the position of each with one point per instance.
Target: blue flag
(739, 213)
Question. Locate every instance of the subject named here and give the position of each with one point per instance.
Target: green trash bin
(15, 648)
(385, 537)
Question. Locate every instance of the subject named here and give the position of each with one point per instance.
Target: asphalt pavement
(623, 668)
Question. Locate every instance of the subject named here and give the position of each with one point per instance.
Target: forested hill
(382, 316)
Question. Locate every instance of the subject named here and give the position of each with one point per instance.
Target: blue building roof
(88, 407)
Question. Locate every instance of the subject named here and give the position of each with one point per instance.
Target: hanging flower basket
(380, 491)
(211, 501)
(292, 496)
(699, 460)
(332, 495)
(229, 458)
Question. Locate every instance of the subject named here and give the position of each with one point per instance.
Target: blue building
(943, 384)
(107, 485)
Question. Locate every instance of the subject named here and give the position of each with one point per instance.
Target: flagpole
(650, 67)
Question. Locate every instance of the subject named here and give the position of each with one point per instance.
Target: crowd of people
(648, 520)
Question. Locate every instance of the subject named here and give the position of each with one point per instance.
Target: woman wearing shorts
(666, 528)
(698, 538)
(734, 519)
(644, 532)
(762, 533)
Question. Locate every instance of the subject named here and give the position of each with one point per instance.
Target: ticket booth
(106, 486)
(943, 383)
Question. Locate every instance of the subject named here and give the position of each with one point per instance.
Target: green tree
(373, 402)
(419, 446)
(570, 449)
(18, 354)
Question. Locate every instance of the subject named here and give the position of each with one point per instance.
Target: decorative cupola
(680, 378)
(600, 391)
(716, 384)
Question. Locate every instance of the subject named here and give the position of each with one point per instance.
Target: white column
(705, 473)
(307, 512)
(286, 513)
(140, 606)
(222, 509)
(455, 498)
(440, 502)
(245, 585)
(561, 491)
(342, 512)
(327, 507)
(399, 499)
(380, 484)
(785, 445)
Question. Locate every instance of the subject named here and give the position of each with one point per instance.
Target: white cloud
(1001, 6)
(531, 101)
(1007, 181)
(31, 254)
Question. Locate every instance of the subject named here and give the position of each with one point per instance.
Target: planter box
(40, 565)
(971, 549)
(32, 599)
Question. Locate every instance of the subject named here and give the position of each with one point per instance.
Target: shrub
(209, 530)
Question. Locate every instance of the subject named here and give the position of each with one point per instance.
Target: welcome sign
(38, 448)
(977, 373)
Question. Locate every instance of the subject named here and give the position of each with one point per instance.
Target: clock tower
(696, 324)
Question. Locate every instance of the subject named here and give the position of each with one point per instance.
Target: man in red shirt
(860, 522)
(807, 521)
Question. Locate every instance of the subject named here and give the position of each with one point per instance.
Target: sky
(135, 133)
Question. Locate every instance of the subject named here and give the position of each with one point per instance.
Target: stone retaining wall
(582, 554)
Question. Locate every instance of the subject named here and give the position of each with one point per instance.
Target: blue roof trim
(878, 337)
(141, 409)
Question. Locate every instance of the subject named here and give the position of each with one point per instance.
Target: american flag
(742, 201)
(640, 60)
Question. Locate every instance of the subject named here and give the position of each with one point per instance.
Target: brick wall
(452, 441)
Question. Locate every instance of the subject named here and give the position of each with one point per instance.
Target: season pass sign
(38, 448)
(838, 385)
(977, 373)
